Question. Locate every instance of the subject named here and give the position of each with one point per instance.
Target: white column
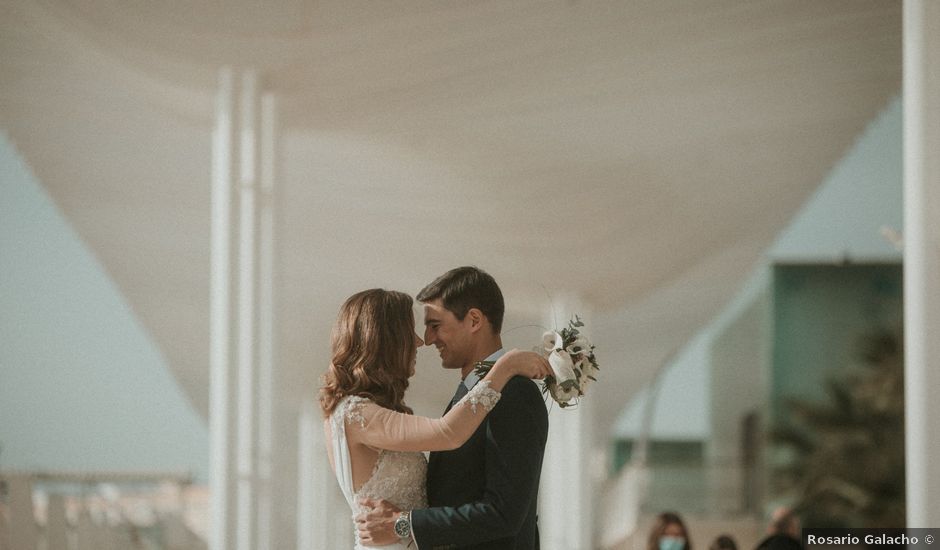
(242, 314)
(922, 258)
(221, 340)
(247, 312)
(266, 318)
(567, 492)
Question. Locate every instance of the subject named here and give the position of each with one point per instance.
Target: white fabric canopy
(638, 155)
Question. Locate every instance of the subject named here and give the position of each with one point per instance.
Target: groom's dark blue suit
(484, 495)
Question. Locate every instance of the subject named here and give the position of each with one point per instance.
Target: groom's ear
(477, 319)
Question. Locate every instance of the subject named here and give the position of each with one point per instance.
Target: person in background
(669, 533)
(723, 542)
(783, 533)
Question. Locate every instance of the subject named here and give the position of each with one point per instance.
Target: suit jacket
(484, 495)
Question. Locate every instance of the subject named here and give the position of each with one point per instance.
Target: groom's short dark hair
(467, 287)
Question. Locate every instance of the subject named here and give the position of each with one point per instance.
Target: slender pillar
(242, 316)
(922, 259)
(247, 312)
(266, 330)
(221, 339)
(567, 489)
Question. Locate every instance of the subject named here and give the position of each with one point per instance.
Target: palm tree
(844, 458)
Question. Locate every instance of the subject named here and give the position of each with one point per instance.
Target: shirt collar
(472, 378)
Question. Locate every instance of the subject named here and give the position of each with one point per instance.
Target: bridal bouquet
(571, 356)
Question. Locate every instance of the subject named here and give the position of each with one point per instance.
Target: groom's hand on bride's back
(376, 525)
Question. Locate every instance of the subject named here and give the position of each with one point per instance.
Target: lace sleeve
(352, 410)
(394, 431)
(481, 395)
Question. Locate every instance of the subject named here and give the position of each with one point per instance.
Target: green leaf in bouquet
(481, 368)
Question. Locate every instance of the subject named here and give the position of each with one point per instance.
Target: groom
(484, 494)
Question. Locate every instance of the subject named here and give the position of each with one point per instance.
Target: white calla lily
(581, 346)
(551, 341)
(562, 366)
(563, 396)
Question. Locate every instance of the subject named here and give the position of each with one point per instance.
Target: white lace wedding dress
(399, 474)
(398, 477)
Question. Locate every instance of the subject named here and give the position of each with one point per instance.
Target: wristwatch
(403, 525)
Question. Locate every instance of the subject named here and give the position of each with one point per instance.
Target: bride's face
(414, 358)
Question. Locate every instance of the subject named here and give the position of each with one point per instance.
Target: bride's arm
(382, 428)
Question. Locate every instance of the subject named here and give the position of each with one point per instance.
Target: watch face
(402, 527)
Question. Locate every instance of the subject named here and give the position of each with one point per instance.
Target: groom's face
(451, 336)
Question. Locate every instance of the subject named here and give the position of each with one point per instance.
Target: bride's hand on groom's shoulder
(524, 363)
(376, 524)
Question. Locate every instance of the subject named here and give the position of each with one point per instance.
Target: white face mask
(671, 543)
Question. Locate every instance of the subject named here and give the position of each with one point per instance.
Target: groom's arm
(515, 442)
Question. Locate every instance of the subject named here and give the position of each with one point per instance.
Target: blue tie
(458, 395)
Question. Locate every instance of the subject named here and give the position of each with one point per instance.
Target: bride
(374, 442)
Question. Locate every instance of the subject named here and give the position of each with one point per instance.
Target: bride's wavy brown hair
(373, 345)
